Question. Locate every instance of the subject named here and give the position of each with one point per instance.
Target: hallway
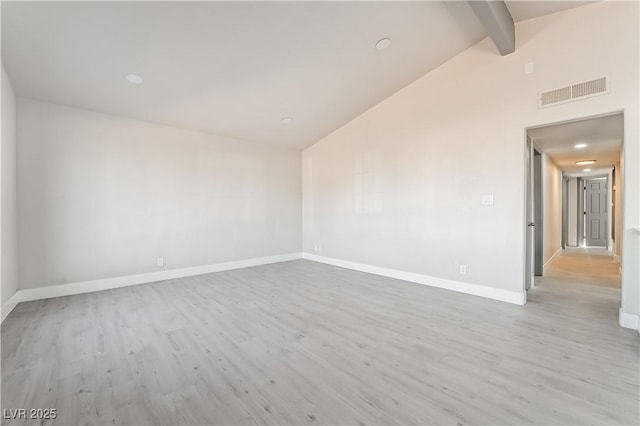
(584, 281)
(578, 265)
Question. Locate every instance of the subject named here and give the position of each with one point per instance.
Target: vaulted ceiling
(235, 68)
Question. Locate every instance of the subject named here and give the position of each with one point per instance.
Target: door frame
(581, 211)
(528, 281)
(528, 215)
(534, 214)
(538, 211)
(565, 211)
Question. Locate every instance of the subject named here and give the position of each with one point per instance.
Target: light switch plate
(487, 199)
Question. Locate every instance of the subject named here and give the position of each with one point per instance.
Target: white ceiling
(603, 136)
(523, 10)
(235, 68)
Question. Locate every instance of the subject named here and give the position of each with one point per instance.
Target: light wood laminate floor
(305, 343)
(579, 265)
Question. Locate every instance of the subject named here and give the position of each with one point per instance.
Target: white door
(595, 216)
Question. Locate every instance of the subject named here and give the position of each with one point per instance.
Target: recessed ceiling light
(287, 120)
(383, 43)
(584, 162)
(580, 145)
(586, 170)
(134, 79)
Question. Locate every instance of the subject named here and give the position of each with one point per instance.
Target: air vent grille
(574, 92)
(555, 96)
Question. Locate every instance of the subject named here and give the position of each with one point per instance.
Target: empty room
(330, 213)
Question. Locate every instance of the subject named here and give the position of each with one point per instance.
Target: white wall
(102, 196)
(552, 205)
(401, 185)
(619, 207)
(610, 194)
(9, 246)
(572, 212)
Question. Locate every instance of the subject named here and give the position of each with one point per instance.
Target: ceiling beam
(497, 20)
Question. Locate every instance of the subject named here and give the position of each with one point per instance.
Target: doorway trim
(528, 238)
(538, 211)
(534, 213)
(565, 211)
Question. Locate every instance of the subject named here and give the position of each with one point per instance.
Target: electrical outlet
(463, 269)
(160, 262)
(318, 248)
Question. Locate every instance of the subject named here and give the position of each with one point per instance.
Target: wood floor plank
(306, 343)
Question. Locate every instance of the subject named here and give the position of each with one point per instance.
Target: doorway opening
(573, 202)
(594, 212)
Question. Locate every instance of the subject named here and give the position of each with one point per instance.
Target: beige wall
(572, 212)
(552, 205)
(8, 233)
(434, 148)
(619, 208)
(101, 196)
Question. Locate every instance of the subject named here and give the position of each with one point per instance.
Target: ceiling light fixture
(580, 145)
(383, 43)
(585, 162)
(134, 79)
(586, 170)
(287, 120)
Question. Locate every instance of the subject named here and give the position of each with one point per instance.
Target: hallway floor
(577, 265)
(581, 282)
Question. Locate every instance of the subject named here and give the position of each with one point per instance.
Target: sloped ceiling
(233, 68)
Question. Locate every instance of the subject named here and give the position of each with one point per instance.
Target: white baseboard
(8, 306)
(628, 320)
(48, 292)
(544, 267)
(518, 298)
